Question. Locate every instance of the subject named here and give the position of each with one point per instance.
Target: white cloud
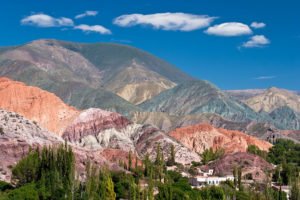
(86, 14)
(166, 21)
(43, 20)
(229, 29)
(258, 25)
(257, 41)
(265, 77)
(96, 28)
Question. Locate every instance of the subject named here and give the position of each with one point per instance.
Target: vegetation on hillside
(210, 155)
(285, 155)
(50, 174)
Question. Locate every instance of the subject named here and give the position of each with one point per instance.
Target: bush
(26, 192)
(256, 151)
(5, 186)
(210, 155)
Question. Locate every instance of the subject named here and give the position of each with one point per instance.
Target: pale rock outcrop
(93, 121)
(17, 136)
(98, 129)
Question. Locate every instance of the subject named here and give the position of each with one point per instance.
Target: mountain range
(106, 100)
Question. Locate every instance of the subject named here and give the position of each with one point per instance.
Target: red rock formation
(36, 104)
(118, 155)
(204, 136)
(250, 164)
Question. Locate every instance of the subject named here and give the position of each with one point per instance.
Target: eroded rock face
(18, 135)
(93, 121)
(137, 84)
(250, 164)
(146, 141)
(35, 104)
(204, 136)
(98, 129)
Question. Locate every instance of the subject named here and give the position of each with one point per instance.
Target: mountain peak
(274, 98)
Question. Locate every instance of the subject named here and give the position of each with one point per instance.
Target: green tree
(256, 151)
(26, 192)
(130, 160)
(171, 160)
(27, 169)
(295, 190)
(165, 192)
(210, 155)
(240, 179)
(106, 186)
(150, 194)
(235, 175)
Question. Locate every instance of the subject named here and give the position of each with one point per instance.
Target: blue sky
(209, 39)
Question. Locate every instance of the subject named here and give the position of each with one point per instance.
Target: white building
(207, 178)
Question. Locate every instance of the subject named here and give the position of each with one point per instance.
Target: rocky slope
(244, 94)
(250, 164)
(98, 129)
(86, 75)
(204, 136)
(111, 59)
(167, 123)
(287, 117)
(198, 97)
(274, 98)
(136, 84)
(18, 135)
(36, 104)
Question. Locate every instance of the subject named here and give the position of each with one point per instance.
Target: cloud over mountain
(43, 20)
(96, 28)
(166, 21)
